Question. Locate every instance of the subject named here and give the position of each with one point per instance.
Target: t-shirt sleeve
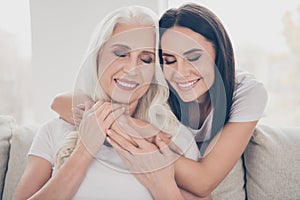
(42, 145)
(49, 138)
(249, 100)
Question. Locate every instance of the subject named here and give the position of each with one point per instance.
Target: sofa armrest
(7, 124)
(20, 143)
(272, 161)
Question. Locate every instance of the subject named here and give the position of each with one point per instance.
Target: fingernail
(121, 123)
(108, 132)
(108, 140)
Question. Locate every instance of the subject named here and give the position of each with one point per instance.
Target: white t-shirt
(101, 181)
(249, 102)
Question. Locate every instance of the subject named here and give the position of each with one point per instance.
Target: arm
(201, 178)
(37, 173)
(62, 104)
(65, 183)
(37, 184)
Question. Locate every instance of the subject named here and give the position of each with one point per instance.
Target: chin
(187, 99)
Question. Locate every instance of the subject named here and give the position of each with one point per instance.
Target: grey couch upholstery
(268, 169)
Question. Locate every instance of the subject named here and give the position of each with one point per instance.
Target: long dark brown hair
(201, 20)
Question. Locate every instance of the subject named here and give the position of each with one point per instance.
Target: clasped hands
(142, 146)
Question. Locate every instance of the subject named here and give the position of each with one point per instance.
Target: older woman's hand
(95, 121)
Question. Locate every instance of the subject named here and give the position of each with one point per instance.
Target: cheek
(168, 71)
(206, 68)
(147, 73)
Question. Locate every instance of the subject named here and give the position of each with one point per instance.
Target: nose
(183, 68)
(130, 65)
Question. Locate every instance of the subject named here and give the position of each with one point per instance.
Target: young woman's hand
(95, 121)
(78, 112)
(151, 163)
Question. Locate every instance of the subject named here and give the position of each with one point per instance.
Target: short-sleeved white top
(101, 181)
(249, 102)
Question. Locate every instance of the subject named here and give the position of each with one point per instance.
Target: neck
(199, 110)
(132, 107)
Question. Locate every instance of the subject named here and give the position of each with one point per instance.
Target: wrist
(82, 153)
(160, 192)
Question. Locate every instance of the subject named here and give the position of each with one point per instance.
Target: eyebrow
(121, 45)
(128, 48)
(191, 51)
(166, 54)
(149, 52)
(185, 53)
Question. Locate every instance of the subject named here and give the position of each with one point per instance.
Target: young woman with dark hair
(220, 106)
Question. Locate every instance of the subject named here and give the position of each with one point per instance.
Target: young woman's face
(188, 62)
(126, 62)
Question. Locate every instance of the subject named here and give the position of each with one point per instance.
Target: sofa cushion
(20, 143)
(272, 160)
(232, 187)
(6, 126)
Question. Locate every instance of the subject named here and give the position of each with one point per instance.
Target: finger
(121, 141)
(80, 106)
(77, 111)
(144, 143)
(87, 106)
(167, 149)
(116, 129)
(109, 109)
(77, 119)
(117, 147)
(112, 117)
(164, 135)
(90, 104)
(98, 104)
(161, 144)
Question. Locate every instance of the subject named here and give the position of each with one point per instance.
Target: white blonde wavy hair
(152, 106)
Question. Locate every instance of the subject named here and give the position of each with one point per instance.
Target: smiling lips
(126, 84)
(187, 84)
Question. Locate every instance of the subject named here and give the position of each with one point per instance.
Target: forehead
(133, 36)
(180, 39)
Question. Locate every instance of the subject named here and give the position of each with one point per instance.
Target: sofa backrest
(19, 146)
(6, 127)
(271, 159)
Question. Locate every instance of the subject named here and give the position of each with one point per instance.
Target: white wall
(60, 34)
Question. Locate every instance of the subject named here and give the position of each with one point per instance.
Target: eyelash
(147, 61)
(120, 54)
(169, 62)
(194, 58)
(189, 59)
(123, 55)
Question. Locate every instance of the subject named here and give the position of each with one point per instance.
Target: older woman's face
(126, 62)
(188, 62)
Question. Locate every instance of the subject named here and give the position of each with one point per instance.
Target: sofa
(268, 169)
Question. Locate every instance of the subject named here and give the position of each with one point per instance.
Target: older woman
(120, 75)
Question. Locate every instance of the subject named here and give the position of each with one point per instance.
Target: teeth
(126, 84)
(187, 84)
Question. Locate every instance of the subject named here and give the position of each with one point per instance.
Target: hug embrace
(158, 112)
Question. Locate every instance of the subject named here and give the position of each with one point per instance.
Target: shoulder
(49, 137)
(55, 128)
(249, 98)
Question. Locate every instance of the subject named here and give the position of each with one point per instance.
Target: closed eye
(195, 58)
(168, 60)
(120, 53)
(147, 57)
